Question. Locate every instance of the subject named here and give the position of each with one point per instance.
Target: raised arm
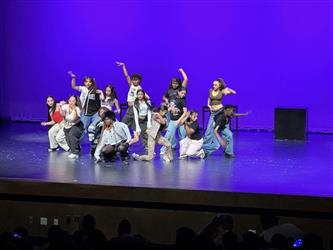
(73, 82)
(228, 91)
(185, 79)
(123, 66)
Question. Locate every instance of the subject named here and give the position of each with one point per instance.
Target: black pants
(128, 119)
(143, 134)
(73, 137)
(110, 151)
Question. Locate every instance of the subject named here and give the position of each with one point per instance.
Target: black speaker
(290, 123)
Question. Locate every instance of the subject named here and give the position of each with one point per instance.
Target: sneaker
(230, 156)
(73, 156)
(126, 160)
(98, 160)
(52, 149)
(202, 155)
(165, 158)
(184, 157)
(136, 157)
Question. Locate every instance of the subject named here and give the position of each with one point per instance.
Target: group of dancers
(94, 112)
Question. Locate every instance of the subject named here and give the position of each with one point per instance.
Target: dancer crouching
(115, 138)
(191, 145)
(159, 123)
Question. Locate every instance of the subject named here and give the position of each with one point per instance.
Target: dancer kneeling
(159, 123)
(191, 145)
(115, 138)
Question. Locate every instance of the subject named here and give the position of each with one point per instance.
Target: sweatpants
(73, 137)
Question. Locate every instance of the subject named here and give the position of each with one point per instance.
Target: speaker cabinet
(290, 123)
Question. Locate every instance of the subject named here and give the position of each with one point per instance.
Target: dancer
(191, 145)
(178, 111)
(142, 117)
(96, 130)
(134, 83)
(175, 84)
(221, 125)
(159, 123)
(56, 134)
(110, 99)
(73, 126)
(115, 138)
(90, 98)
(216, 94)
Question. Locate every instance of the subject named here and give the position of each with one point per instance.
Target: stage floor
(262, 165)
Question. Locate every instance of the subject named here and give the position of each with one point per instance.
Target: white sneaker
(73, 156)
(202, 154)
(184, 157)
(165, 158)
(136, 156)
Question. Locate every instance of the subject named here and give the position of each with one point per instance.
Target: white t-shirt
(132, 93)
(71, 117)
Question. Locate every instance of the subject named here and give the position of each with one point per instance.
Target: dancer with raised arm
(177, 109)
(175, 84)
(90, 98)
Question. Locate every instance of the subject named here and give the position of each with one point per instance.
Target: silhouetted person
(184, 238)
(270, 225)
(88, 237)
(125, 239)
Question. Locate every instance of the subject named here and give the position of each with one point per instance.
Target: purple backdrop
(273, 53)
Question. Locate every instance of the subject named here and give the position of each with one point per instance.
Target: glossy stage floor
(291, 177)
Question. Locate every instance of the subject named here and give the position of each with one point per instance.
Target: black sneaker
(126, 160)
(230, 156)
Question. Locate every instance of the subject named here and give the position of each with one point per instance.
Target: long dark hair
(178, 80)
(51, 110)
(113, 92)
(136, 102)
(222, 83)
(77, 101)
(93, 82)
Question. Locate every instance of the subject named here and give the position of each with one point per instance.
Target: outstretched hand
(120, 64)
(71, 74)
(248, 112)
